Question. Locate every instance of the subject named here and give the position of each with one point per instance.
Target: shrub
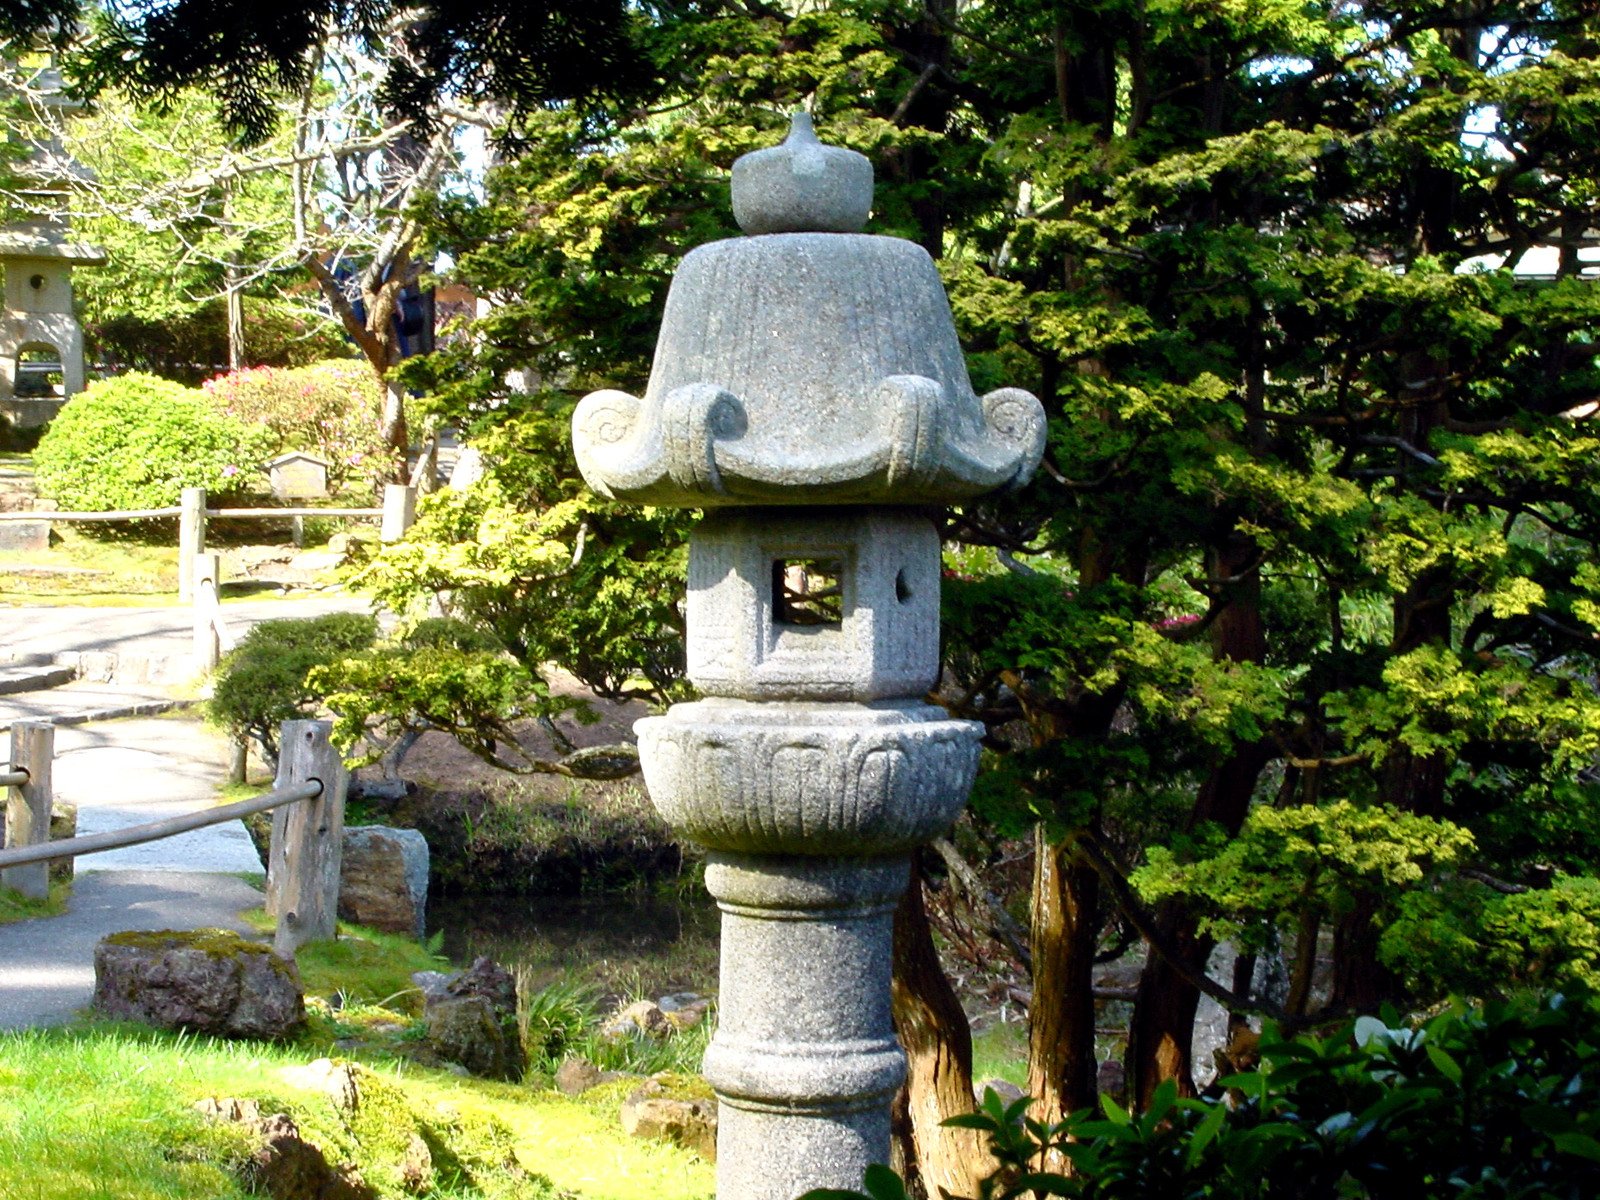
(261, 683)
(1500, 1101)
(137, 441)
(330, 408)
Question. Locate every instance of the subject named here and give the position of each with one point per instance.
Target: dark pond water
(627, 943)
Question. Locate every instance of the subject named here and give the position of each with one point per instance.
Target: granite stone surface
(743, 640)
(814, 367)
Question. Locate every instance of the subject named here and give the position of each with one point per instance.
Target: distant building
(41, 342)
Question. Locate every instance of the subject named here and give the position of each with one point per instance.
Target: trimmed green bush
(137, 441)
(331, 409)
(261, 683)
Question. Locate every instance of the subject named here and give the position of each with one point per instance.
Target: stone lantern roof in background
(807, 363)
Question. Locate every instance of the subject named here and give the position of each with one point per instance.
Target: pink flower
(229, 471)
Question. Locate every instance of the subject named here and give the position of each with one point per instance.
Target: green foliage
(1492, 1102)
(330, 408)
(547, 570)
(261, 682)
(187, 346)
(136, 442)
(1468, 938)
(1315, 535)
(1288, 863)
(473, 695)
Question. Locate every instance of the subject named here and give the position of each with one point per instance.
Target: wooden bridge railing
(307, 804)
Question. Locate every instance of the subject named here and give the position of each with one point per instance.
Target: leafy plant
(1499, 1101)
(136, 442)
(552, 1020)
(261, 683)
(330, 408)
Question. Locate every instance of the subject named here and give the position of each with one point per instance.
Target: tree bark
(1062, 1069)
(1161, 1033)
(933, 1029)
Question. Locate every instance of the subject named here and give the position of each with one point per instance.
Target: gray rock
(641, 1018)
(383, 879)
(1004, 1088)
(24, 536)
(577, 1075)
(430, 983)
(684, 1010)
(207, 980)
(692, 1124)
(473, 1022)
(465, 1030)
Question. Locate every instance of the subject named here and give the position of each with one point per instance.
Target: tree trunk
(1161, 1034)
(1062, 1068)
(235, 300)
(933, 1030)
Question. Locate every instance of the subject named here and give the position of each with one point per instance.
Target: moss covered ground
(14, 906)
(106, 1113)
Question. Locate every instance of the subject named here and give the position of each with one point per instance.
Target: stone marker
(809, 390)
(383, 879)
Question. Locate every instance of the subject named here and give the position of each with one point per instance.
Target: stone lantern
(37, 257)
(809, 392)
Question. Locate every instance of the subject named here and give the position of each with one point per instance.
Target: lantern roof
(807, 363)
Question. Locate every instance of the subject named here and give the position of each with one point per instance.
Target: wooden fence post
(307, 839)
(27, 815)
(399, 511)
(206, 572)
(191, 538)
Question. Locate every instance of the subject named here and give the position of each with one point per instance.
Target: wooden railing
(303, 859)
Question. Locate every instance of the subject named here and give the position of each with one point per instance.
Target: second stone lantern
(809, 390)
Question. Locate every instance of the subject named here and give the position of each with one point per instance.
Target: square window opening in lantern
(808, 592)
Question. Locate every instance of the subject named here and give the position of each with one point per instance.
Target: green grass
(362, 965)
(1001, 1052)
(127, 571)
(14, 906)
(105, 1113)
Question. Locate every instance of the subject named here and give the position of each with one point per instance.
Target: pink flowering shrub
(330, 409)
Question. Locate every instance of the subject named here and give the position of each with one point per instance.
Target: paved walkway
(122, 773)
(140, 636)
(119, 773)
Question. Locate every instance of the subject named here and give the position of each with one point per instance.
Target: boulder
(641, 1017)
(285, 1166)
(684, 1010)
(690, 1122)
(473, 1022)
(1004, 1088)
(24, 536)
(430, 983)
(208, 981)
(383, 879)
(577, 1075)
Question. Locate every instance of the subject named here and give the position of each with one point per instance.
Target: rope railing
(14, 778)
(136, 835)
